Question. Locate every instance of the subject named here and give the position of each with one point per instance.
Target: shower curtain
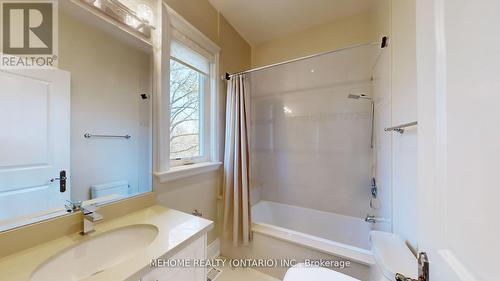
(236, 185)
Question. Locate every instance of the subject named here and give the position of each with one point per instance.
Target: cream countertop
(176, 230)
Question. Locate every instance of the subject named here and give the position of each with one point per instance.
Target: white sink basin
(97, 254)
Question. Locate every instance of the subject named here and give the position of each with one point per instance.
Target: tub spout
(371, 219)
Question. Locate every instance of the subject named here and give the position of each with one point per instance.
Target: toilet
(118, 188)
(391, 256)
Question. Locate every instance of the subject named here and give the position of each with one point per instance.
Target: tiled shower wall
(311, 144)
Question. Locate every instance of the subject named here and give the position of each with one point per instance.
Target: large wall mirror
(82, 131)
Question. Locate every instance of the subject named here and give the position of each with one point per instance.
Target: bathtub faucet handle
(374, 189)
(370, 218)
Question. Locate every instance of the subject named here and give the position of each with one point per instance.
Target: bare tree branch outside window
(186, 86)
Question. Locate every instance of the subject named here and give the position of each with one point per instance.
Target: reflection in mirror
(80, 132)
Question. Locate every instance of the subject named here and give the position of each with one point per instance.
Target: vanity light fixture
(139, 21)
(145, 13)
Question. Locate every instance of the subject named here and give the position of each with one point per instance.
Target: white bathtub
(329, 233)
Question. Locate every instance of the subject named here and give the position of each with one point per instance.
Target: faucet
(73, 206)
(89, 217)
(374, 189)
(371, 219)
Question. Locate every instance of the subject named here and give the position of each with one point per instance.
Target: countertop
(176, 230)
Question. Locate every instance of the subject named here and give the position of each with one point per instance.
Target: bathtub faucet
(371, 219)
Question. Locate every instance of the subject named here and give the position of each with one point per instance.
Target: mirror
(79, 132)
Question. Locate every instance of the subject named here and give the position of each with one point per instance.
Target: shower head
(358, 96)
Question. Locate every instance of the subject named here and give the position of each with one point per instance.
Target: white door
(458, 48)
(34, 140)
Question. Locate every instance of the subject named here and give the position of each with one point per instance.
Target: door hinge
(423, 269)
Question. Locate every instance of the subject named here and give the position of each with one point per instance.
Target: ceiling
(264, 20)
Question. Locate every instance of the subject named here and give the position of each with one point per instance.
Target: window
(189, 106)
(187, 111)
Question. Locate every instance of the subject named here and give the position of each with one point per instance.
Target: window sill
(185, 171)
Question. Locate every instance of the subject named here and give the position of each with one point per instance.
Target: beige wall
(336, 34)
(201, 191)
(199, 13)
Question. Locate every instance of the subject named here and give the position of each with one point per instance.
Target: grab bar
(88, 136)
(400, 129)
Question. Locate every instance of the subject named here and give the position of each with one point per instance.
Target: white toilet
(119, 188)
(391, 256)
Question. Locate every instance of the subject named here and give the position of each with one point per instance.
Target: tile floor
(243, 274)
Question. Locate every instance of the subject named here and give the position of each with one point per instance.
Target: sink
(96, 254)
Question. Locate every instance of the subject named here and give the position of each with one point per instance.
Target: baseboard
(213, 249)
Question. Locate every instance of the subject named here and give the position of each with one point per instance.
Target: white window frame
(204, 128)
(177, 28)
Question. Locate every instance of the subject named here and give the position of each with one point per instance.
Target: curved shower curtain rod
(383, 44)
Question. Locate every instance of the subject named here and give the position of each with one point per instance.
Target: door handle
(62, 181)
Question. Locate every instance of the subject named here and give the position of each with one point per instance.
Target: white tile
(312, 143)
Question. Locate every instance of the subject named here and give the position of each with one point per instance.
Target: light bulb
(145, 13)
(131, 21)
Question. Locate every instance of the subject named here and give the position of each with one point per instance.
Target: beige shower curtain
(236, 185)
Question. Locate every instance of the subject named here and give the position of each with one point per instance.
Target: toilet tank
(120, 188)
(392, 256)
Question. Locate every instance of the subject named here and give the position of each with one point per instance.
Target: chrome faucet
(73, 206)
(374, 189)
(89, 217)
(371, 219)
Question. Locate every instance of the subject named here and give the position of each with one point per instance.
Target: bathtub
(306, 233)
(334, 234)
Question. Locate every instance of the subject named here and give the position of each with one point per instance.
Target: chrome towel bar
(400, 129)
(88, 136)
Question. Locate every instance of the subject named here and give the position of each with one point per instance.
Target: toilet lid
(301, 273)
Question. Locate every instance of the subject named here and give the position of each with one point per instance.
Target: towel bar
(88, 136)
(400, 129)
